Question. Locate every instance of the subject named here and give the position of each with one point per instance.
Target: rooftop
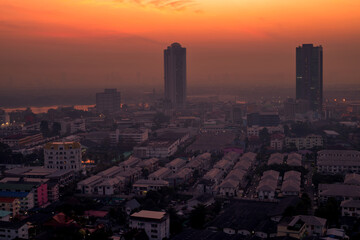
(149, 214)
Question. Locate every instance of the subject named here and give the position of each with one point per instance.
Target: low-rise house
(276, 158)
(291, 227)
(195, 165)
(150, 165)
(268, 185)
(294, 159)
(142, 186)
(315, 226)
(214, 175)
(229, 188)
(110, 186)
(160, 174)
(236, 174)
(176, 164)
(87, 186)
(352, 179)
(290, 188)
(295, 175)
(155, 224)
(350, 208)
(267, 189)
(206, 186)
(129, 163)
(205, 157)
(243, 164)
(224, 165)
(232, 157)
(249, 156)
(131, 175)
(180, 177)
(270, 174)
(291, 183)
(111, 172)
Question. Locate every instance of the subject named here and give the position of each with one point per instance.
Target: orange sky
(114, 42)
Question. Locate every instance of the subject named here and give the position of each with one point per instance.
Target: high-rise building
(63, 156)
(175, 75)
(109, 101)
(309, 76)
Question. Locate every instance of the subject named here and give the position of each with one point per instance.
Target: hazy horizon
(108, 43)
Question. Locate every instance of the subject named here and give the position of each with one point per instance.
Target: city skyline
(99, 43)
(309, 76)
(175, 75)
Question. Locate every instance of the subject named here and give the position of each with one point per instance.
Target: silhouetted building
(175, 75)
(309, 75)
(109, 101)
(263, 119)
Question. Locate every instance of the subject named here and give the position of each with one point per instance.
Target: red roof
(7, 199)
(93, 213)
(277, 136)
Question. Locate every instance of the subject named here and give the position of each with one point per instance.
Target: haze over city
(179, 120)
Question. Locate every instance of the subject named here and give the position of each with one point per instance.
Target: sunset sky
(105, 43)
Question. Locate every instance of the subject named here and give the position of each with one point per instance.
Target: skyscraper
(309, 76)
(108, 101)
(175, 75)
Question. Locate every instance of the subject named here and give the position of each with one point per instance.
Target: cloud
(177, 5)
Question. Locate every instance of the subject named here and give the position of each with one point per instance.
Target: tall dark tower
(175, 75)
(309, 76)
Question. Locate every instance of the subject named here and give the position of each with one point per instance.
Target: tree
(264, 136)
(330, 210)
(175, 221)
(198, 216)
(286, 130)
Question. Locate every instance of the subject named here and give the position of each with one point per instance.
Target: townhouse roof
(352, 178)
(229, 183)
(176, 162)
(290, 186)
(160, 172)
(350, 203)
(276, 158)
(292, 175)
(339, 189)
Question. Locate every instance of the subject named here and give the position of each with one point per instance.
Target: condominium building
(307, 142)
(63, 155)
